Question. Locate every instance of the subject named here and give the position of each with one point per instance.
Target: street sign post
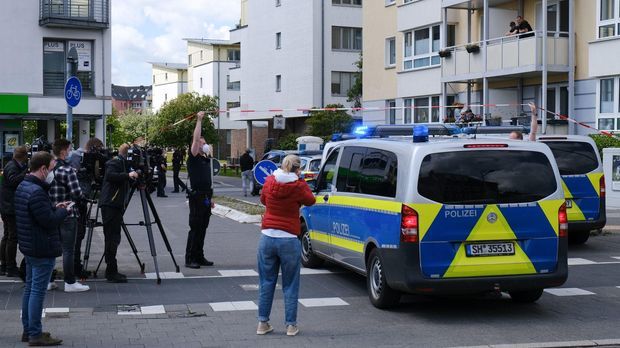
(262, 170)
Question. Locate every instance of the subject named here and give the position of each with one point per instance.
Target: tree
(117, 135)
(166, 133)
(355, 93)
(136, 125)
(288, 141)
(325, 123)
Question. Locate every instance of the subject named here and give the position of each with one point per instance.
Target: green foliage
(603, 141)
(117, 136)
(165, 134)
(30, 131)
(355, 93)
(136, 125)
(288, 141)
(325, 123)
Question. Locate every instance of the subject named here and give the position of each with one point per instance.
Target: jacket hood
(284, 184)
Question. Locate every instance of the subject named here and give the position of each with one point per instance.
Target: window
(573, 158)
(228, 137)
(421, 47)
(278, 41)
(278, 83)
(166, 76)
(234, 55)
(326, 176)
(608, 20)
(451, 35)
(421, 108)
(349, 171)
(407, 111)
(55, 65)
(231, 105)
(607, 96)
(609, 103)
(486, 177)
(201, 82)
(342, 82)
(379, 173)
(391, 111)
(389, 2)
(232, 86)
(347, 2)
(345, 38)
(435, 109)
(420, 113)
(390, 52)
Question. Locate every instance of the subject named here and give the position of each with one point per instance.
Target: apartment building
(36, 38)
(295, 55)
(169, 81)
(136, 98)
(561, 68)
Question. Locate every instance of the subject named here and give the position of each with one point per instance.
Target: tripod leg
(89, 240)
(161, 230)
(133, 247)
(149, 231)
(98, 266)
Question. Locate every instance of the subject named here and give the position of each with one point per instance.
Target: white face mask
(50, 177)
(206, 149)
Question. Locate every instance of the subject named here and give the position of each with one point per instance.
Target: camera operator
(65, 188)
(112, 201)
(200, 197)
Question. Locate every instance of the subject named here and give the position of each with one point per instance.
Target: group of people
(520, 27)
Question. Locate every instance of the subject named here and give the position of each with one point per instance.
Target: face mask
(206, 149)
(50, 177)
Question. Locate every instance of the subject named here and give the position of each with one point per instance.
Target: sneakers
(51, 286)
(44, 340)
(76, 287)
(292, 330)
(263, 328)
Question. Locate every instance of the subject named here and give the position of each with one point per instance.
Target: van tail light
(563, 221)
(408, 225)
(602, 183)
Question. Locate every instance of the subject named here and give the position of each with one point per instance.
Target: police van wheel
(578, 237)
(308, 258)
(529, 296)
(379, 292)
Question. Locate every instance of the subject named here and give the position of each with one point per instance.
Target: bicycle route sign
(73, 91)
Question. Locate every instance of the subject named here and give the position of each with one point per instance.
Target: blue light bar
(495, 130)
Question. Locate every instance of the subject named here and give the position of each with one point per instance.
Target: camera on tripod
(147, 163)
(39, 144)
(93, 164)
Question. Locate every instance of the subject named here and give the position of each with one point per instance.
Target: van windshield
(573, 157)
(486, 177)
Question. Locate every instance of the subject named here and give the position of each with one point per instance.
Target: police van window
(486, 177)
(273, 157)
(315, 165)
(349, 171)
(326, 177)
(573, 157)
(379, 173)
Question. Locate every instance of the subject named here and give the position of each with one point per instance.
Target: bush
(288, 142)
(603, 141)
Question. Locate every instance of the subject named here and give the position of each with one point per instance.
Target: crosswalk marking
(322, 302)
(233, 306)
(238, 273)
(164, 275)
(575, 261)
(569, 292)
(309, 271)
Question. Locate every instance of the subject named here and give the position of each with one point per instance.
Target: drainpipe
(571, 65)
(544, 66)
(323, 53)
(485, 80)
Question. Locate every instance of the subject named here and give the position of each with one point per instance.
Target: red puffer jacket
(282, 201)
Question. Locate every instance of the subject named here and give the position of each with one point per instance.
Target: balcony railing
(93, 14)
(507, 55)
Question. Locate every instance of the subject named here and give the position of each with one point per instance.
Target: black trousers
(8, 245)
(161, 183)
(112, 220)
(177, 181)
(199, 216)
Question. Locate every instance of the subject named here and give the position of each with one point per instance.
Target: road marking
(322, 302)
(255, 287)
(616, 257)
(140, 310)
(233, 306)
(310, 271)
(238, 273)
(59, 310)
(575, 261)
(164, 275)
(586, 343)
(569, 292)
(159, 309)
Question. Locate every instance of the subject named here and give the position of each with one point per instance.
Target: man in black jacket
(177, 162)
(39, 240)
(14, 173)
(113, 199)
(246, 162)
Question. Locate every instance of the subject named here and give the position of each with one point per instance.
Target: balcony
(507, 56)
(84, 14)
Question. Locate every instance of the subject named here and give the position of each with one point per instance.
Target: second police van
(448, 216)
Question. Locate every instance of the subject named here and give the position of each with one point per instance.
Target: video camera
(39, 144)
(93, 164)
(147, 163)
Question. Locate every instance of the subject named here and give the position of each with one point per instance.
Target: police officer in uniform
(200, 197)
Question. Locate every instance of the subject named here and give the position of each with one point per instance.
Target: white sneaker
(51, 286)
(76, 287)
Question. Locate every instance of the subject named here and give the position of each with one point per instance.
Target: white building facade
(169, 81)
(36, 39)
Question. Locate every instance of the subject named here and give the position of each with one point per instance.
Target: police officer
(177, 162)
(113, 199)
(200, 197)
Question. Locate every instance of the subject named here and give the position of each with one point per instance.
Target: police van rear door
(492, 211)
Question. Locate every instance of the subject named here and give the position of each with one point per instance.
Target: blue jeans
(38, 273)
(275, 254)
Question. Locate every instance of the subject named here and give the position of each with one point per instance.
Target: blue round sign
(262, 170)
(73, 91)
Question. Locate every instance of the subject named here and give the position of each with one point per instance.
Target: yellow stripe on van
(319, 236)
(366, 203)
(550, 208)
(348, 244)
(595, 180)
(426, 215)
(567, 193)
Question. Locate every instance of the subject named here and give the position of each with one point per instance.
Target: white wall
(172, 89)
(601, 53)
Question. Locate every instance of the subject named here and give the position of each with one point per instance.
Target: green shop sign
(13, 104)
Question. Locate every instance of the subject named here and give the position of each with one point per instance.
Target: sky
(153, 31)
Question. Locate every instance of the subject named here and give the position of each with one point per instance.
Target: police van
(449, 216)
(583, 182)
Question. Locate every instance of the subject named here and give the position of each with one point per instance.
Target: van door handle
(325, 198)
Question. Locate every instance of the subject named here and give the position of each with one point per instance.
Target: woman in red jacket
(283, 195)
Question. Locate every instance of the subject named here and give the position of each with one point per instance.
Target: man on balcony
(523, 27)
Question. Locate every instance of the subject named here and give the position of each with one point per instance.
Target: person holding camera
(38, 222)
(113, 200)
(14, 173)
(65, 188)
(200, 197)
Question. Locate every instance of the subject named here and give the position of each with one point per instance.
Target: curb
(585, 343)
(241, 217)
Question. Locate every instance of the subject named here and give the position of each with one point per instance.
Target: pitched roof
(133, 93)
(177, 66)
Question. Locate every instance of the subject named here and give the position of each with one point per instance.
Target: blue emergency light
(420, 134)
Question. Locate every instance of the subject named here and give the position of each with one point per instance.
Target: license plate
(490, 249)
(569, 203)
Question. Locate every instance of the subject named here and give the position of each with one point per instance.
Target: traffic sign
(262, 170)
(216, 165)
(73, 91)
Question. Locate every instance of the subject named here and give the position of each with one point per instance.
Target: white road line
(233, 306)
(310, 271)
(585, 343)
(158, 309)
(569, 292)
(322, 302)
(60, 310)
(575, 261)
(164, 275)
(238, 273)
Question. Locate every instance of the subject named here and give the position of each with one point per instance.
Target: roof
(134, 93)
(215, 42)
(177, 66)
